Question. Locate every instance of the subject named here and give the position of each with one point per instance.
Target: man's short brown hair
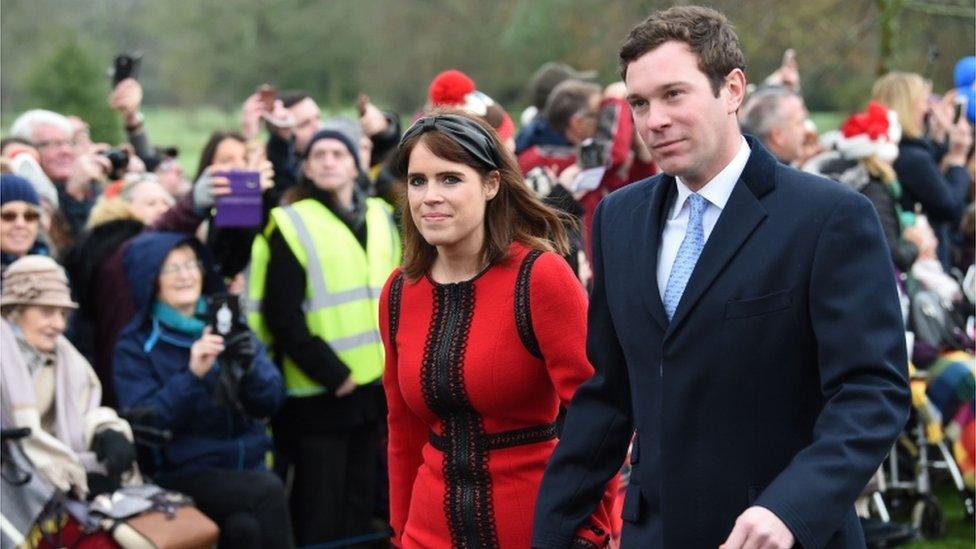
(707, 32)
(568, 98)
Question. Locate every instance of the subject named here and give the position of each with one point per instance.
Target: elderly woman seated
(212, 394)
(75, 443)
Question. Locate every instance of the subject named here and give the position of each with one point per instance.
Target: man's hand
(280, 120)
(372, 121)
(758, 528)
(347, 387)
(251, 113)
(127, 99)
(87, 168)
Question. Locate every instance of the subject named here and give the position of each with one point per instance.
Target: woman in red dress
(484, 328)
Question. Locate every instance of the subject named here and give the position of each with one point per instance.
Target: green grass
(188, 130)
(827, 121)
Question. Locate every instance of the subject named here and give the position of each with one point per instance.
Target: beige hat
(36, 280)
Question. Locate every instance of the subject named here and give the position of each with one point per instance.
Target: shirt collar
(719, 189)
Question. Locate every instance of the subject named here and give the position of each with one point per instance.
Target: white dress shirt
(716, 193)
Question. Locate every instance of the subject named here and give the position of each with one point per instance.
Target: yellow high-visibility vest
(343, 284)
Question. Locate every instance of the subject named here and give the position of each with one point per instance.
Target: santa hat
(874, 132)
(449, 88)
(453, 88)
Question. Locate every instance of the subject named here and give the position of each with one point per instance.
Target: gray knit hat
(36, 280)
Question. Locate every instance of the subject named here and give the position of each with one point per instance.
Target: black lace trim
(504, 439)
(467, 498)
(523, 312)
(396, 291)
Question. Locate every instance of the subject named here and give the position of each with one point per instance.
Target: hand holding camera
(87, 168)
(204, 352)
(239, 348)
(126, 98)
(264, 104)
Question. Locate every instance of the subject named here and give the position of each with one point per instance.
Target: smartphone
(242, 207)
(267, 94)
(126, 66)
(961, 101)
(223, 314)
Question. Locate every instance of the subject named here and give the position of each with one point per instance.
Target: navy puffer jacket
(151, 370)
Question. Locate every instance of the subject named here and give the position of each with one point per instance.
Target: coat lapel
(740, 217)
(649, 218)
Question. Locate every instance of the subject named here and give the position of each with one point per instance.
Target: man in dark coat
(744, 327)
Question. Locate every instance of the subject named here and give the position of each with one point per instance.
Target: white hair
(27, 123)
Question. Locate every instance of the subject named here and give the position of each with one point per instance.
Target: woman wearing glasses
(484, 328)
(212, 395)
(20, 214)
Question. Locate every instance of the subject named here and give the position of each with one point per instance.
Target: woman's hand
(209, 186)
(960, 139)
(266, 169)
(204, 352)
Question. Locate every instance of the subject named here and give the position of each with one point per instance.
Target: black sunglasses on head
(468, 134)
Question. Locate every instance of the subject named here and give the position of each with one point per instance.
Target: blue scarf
(174, 320)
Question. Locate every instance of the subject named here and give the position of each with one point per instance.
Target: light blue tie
(688, 252)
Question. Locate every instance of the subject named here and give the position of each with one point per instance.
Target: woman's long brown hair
(513, 215)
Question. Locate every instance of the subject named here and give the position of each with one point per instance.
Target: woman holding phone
(223, 153)
(940, 187)
(484, 327)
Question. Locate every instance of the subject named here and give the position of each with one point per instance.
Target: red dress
(474, 381)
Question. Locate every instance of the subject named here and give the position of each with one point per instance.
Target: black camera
(125, 66)
(225, 319)
(539, 181)
(592, 154)
(120, 162)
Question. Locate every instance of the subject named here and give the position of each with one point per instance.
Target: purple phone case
(241, 208)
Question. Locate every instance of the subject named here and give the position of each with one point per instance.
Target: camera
(120, 161)
(539, 182)
(592, 154)
(225, 319)
(125, 66)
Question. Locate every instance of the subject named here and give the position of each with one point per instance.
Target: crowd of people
(309, 397)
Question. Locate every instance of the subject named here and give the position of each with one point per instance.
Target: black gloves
(115, 450)
(235, 363)
(239, 349)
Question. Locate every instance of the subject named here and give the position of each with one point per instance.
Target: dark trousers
(249, 506)
(333, 491)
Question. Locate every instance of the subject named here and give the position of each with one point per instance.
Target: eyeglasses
(30, 216)
(54, 143)
(194, 266)
(468, 134)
